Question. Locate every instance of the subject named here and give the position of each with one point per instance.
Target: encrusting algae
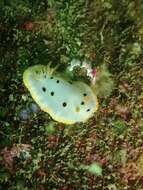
(66, 101)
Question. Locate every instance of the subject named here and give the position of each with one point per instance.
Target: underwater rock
(24, 114)
(66, 101)
(34, 108)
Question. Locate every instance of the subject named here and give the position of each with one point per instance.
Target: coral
(108, 34)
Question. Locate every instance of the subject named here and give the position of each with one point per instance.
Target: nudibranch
(64, 100)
